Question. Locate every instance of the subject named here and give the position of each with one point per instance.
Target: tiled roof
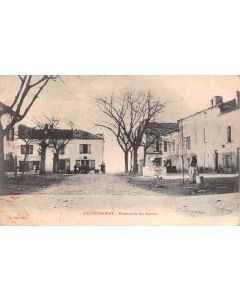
(80, 134)
(228, 106)
(25, 132)
(224, 107)
(161, 128)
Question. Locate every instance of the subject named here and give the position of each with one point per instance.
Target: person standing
(193, 170)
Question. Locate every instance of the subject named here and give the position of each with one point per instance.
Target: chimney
(238, 99)
(216, 100)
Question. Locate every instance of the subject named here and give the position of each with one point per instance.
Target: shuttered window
(165, 146)
(229, 134)
(26, 149)
(62, 149)
(10, 134)
(85, 149)
(187, 142)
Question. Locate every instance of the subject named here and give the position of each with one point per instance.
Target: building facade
(211, 135)
(84, 150)
(153, 149)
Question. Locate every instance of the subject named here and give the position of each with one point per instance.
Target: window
(165, 146)
(61, 149)
(9, 156)
(26, 149)
(10, 134)
(229, 134)
(157, 146)
(173, 146)
(157, 161)
(85, 149)
(92, 164)
(188, 143)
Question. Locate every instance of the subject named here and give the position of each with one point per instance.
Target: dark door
(227, 163)
(85, 163)
(84, 166)
(216, 161)
(61, 165)
(64, 165)
(238, 160)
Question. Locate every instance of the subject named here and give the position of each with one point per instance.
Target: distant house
(153, 145)
(84, 149)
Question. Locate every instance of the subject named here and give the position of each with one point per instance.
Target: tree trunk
(126, 161)
(131, 161)
(25, 158)
(56, 162)
(2, 173)
(43, 159)
(135, 162)
(144, 156)
(15, 166)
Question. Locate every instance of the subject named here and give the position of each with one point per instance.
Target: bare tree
(116, 111)
(54, 137)
(45, 128)
(59, 140)
(130, 114)
(29, 90)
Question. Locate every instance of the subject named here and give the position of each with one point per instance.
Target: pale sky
(75, 100)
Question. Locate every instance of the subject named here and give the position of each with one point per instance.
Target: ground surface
(174, 185)
(102, 199)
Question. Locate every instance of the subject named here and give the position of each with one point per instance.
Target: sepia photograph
(119, 150)
(119, 173)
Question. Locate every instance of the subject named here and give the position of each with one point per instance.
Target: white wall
(214, 125)
(30, 157)
(73, 153)
(208, 133)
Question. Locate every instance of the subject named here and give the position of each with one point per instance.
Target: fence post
(15, 166)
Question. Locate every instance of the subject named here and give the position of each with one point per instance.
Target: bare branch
(21, 78)
(130, 114)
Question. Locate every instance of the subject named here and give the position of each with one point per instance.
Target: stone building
(84, 149)
(211, 135)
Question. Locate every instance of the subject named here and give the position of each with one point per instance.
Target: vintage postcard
(119, 150)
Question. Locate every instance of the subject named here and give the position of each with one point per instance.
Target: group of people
(77, 169)
(192, 171)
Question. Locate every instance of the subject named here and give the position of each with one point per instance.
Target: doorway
(227, 163)
(64, 165)
(238, 160)
(85, 165)
(216, 161)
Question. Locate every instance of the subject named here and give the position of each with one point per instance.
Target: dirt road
(109, 200)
